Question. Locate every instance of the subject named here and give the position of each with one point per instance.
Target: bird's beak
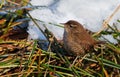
(62, 23)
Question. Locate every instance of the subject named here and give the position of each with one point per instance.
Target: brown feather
(76, 39)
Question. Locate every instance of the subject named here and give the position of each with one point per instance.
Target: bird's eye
(72, 26)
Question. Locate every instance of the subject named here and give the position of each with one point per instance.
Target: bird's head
(73, 26)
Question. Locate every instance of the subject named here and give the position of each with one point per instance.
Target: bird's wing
(76, 48)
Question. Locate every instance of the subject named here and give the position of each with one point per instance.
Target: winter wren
(76, 39)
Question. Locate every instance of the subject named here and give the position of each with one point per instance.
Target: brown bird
(76, 39)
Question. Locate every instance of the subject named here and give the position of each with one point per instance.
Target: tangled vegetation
(20, 57)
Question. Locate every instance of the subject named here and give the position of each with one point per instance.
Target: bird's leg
(74, 61)
(79, 61)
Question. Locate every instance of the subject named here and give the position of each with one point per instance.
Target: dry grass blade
(19, 57)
